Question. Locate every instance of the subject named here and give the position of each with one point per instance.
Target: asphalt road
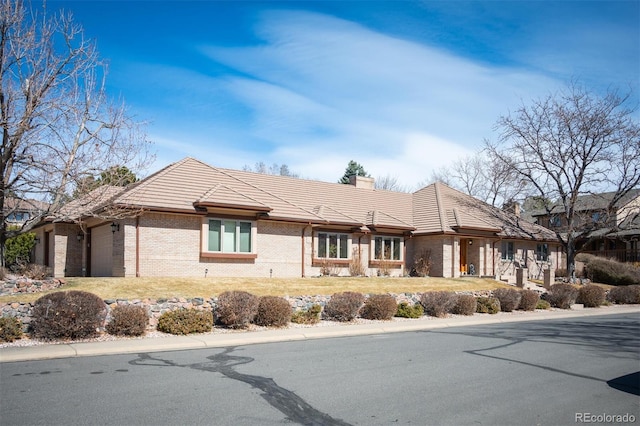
(552, 372)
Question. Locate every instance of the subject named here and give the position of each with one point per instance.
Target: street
(552, 372)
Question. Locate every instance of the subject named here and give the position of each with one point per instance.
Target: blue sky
(402, 87)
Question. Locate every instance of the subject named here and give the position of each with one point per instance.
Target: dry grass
(149, 287)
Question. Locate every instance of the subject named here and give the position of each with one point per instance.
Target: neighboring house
(18, 212)
(192, 219)
(611, 229)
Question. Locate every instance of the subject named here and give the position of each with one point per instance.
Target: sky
(402, 87)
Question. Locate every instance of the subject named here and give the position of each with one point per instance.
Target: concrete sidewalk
(216, 340)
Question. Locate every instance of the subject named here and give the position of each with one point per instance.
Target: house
(18, 212)
(192, 219)
(606, 227)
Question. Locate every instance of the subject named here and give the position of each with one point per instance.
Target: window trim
(204, 235)
(383, 238)
(542, 252)
(504, 254)
(336, 260)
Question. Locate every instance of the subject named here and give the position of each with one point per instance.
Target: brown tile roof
(190, 184)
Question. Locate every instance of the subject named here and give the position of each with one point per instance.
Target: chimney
(362, 182)
(513, 208)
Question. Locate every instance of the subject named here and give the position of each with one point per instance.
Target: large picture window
(229, 236)
(333, 246)
(387, 248)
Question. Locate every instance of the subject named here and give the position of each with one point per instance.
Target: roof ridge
(222, 185)
(227, 173)
(135, 187)
(392, 217)
(441, 212)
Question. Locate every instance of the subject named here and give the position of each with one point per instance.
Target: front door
(464, 243)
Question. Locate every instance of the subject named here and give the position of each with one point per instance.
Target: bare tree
(274, 169)
(571, 144)
(59, 128)
(483, 177)
(390, 183)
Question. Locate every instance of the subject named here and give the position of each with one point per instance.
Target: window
(554, 221)
(333, 246)
(507, 250)
(229, 236)
(387, 248)
(542, 252)
(596, 217)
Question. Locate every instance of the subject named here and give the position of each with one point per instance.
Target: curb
(213, 340)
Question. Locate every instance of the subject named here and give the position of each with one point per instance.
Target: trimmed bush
(10, 329)
(344, 306)
(379, 307)
(528, 300)
(68, 315)
(591, 296)
(562, 296)
(543, 304)
(487, 305)
(128, 320)
(438, 303)
(509, 298)
(273, 311)
(466, 304)
(407, 311)
(185, 321)
(307, 316)
(625, 295)
(236, 309)
(609, 271)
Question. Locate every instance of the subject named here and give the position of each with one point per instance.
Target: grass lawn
(151, 287)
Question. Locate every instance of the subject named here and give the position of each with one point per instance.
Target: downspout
(137, 246)
(303, 250)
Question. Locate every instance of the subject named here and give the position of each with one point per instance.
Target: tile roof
(190, 184)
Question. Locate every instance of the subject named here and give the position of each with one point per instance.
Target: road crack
(287, 402)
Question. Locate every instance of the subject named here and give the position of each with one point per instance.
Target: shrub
(10, 329)
(591, 296)
(609, 271)
(17, 253)
(438, 303)
(407, 311)
(128, 320)
(422, 263)
(488, 305)
(509, 298)
(356, 267)
(543, 304)
(185, 321)
(466, 304)
(562, 296)
(528, 300)
(273, 311)
(625, 295)
(344, 306)
(307, 316)
(68, 315)
(236, 309)
(37, 272)
(379, 307)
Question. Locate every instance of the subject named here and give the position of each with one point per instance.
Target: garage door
(101, 251)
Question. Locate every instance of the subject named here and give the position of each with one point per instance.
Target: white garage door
(101, 251)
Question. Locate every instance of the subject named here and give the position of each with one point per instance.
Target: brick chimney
(362, 182)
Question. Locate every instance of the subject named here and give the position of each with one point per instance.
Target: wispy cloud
(318, 91)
